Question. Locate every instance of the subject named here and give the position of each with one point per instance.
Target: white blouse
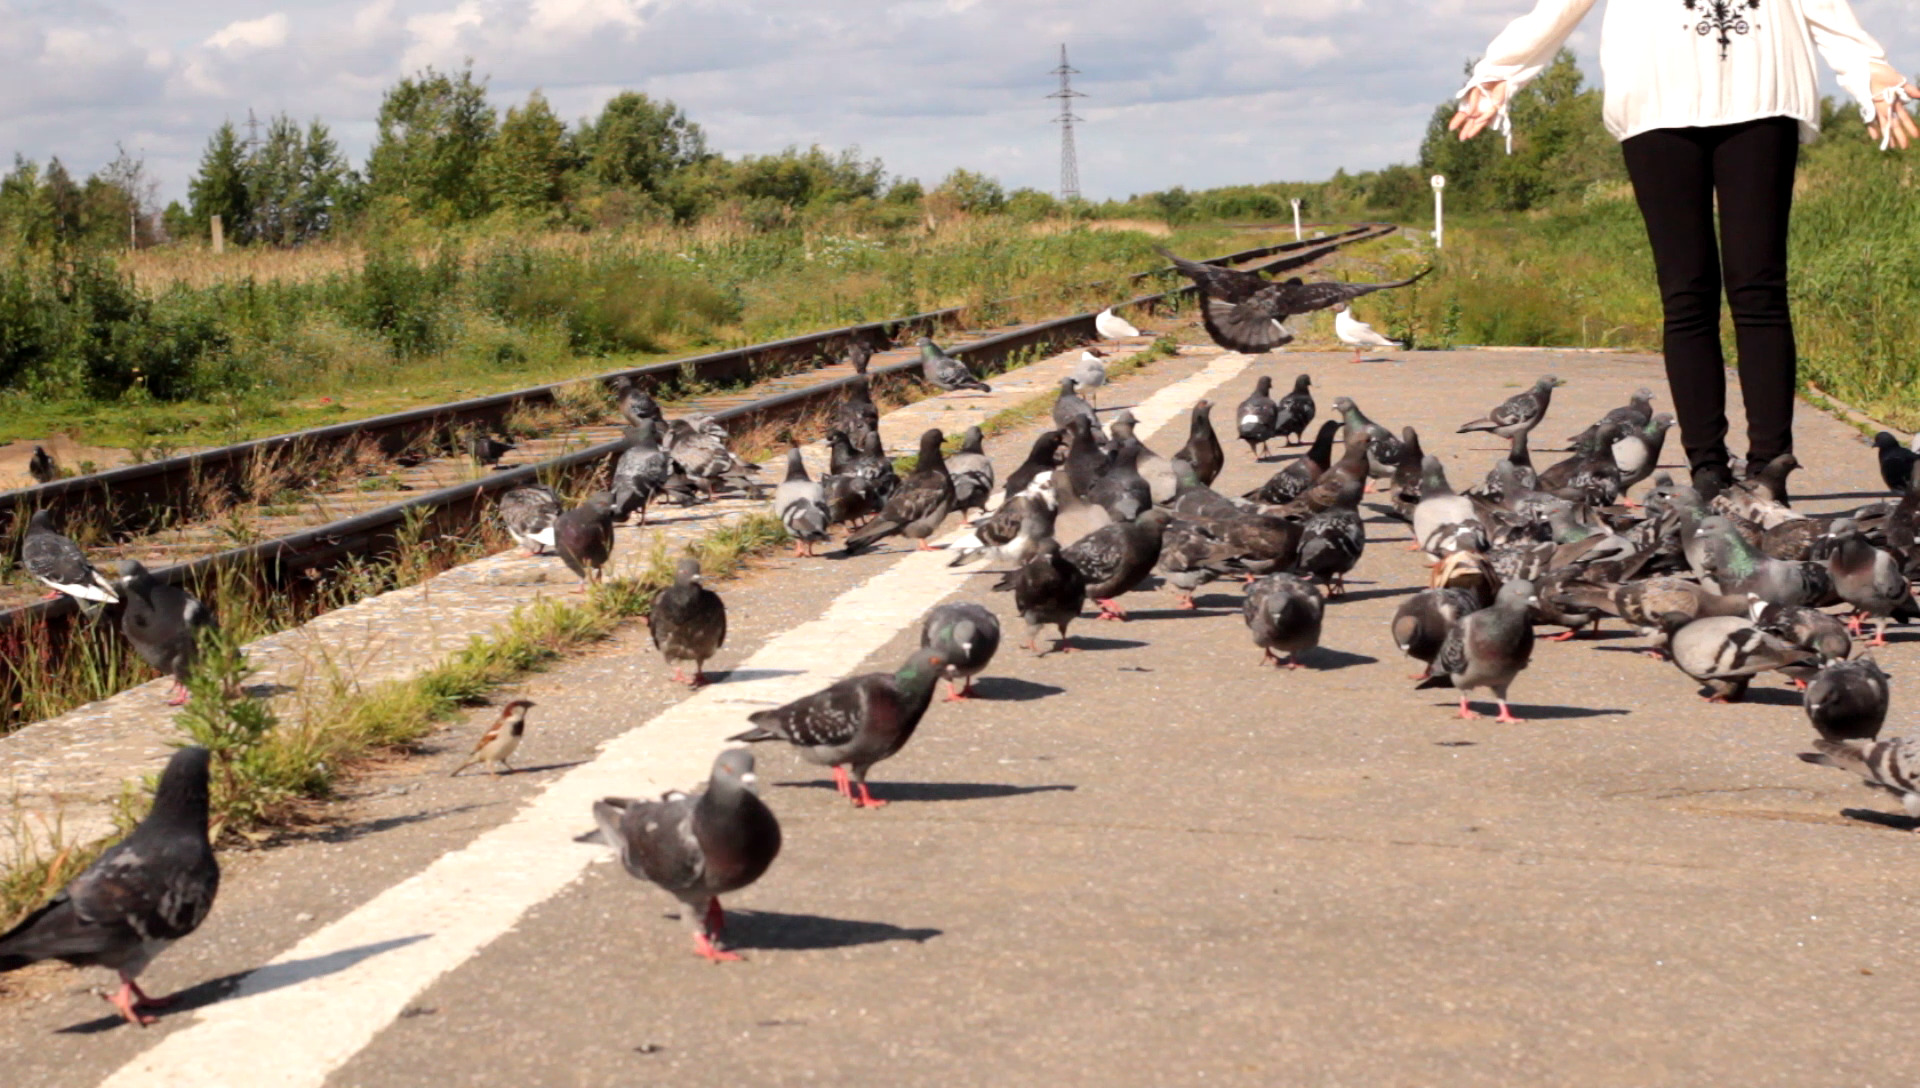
(1693, 63)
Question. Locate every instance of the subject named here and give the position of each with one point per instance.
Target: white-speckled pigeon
(1118, 558)
(1048, 590)
(529, 514)
(642, 472)
(917, 508)
(1519, 413)
(58, 563)
(1259, 417)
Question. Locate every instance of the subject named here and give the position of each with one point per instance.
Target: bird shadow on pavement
(1844, 495)
(938, 791)
(360, 830)
(1774, 697)
(1322, 659)
(735, 676)
(1082, 642)
(1371, 594)
(770, 930)
(1168, 613)
(267, 691)
(257, 981)
(1544, 713)
(1012, 689)
(1888, 820)
(547, 767)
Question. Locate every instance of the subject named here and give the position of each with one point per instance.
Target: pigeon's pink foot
(840, 782)
(1853, 623)
(1657, 655)
(1066, 646)
(1564, 636)
(1293, 662)
(704, 945)
(800, 551)
(699, 679)
(866, 800)
(1506, 716)
(124, 1000)
(957, 694)
(679, 675)
(179, 697)
(926, 547)
(52, 595)
(1879, 639)
(1185, 603)
(143, 1001)
(1111, 610)
(1467, 713)
(1427, 675)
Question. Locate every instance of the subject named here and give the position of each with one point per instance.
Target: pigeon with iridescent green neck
(1738, 567)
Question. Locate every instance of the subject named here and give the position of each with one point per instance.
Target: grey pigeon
(636, 405)
(486, 450)
(1644, 602)
(1519, 413)
(147, 891)
(1075, 516)
(855, 723)
(1383, 449)
(1040, 462)
(967, 636)
(1090, 373)
(1048, 591)
(1292, 481)
(1258, 323)
(1010, 535)
(1637, 412)
(641, 473)
(1423, 621)
(1162, 481)
(801, 506)
(1869, 579)
(1295, 411)
(583, 537)
(972, 474)
(58, 563)
(1488, 648)
(688, 622)
(1069, 405)
(1439, 507)
(1637, 452)
(697, 847)
(857, 416)
(41, 467)
(1283, 613)
(1258, 417)
(698, 444)
(1406, 486)
(1117, 558)
(1812, 630)
(1892, 765)
(916, 510)
(1896, 462)
(1590, 475)
(163, 623)
(1122, 490)
(1847, 700)
(945, 372)
(1331, 542)
(857, 355)
(1202, 450)
(1738, 567)
(529, 514)
(1725, 653)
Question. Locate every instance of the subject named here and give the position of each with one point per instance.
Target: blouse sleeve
(1858, 61)
(1529, 43)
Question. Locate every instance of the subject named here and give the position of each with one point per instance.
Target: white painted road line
(304, 1015)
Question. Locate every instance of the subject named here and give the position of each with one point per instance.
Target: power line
(1069, 162)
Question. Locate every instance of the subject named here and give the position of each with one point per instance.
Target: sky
(1202, 93)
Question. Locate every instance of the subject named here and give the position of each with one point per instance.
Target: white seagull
(1112, 326)
(1352, 330)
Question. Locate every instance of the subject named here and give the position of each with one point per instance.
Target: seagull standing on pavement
(1357, 333)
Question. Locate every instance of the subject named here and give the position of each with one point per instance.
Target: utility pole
(1439, 184)
(1296, 219)
(1069, 164)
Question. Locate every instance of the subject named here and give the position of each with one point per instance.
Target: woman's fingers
(1478, 110)
(1893, 122)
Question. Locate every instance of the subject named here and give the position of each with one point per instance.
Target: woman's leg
(1672, 174)
(1753, 173)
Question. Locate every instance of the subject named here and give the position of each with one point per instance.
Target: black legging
(1676, 173)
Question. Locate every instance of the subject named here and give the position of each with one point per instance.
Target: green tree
(530, 158)
(220, 187)
(25, 213)
(434, 132)
(275, 189)
(327, 187)
(639, 142)
(971, 192)
(64, 202)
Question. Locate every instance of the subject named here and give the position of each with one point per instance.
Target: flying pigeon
(1283, 613)
(59, 564)
(41, 467)
(1112, 326)
(801, 506)
(1847, 700)
(1258, 323)
(163, 623)
(1295, 411)
(688, 622)
(500, 740)
(1048, 591)
(1259, 417)
(1357, 334)
(856, 722)
(967, 636)
(916, 510)
(698, 847)
(529, 514)
(945, 372)
(147, 891)
(1519, 413)
(972, 474)
(583, 537)
(1487, 649)
(1892, 765)
(1220, 281)
(642, 472)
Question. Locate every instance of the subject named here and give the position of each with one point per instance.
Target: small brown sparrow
(500, 739)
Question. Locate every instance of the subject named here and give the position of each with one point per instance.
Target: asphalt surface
(1155, 862)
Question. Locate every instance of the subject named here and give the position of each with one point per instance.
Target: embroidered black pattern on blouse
(1723, 17)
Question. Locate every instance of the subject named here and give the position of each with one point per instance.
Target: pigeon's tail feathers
(1437, 680)
(1477, 425)
(761, 720)
(607, 814)
(1583, 595)
(866, 537)
(37, 936)
(1842, 755)
(1243, 329)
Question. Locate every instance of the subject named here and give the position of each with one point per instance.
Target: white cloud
(266, 32)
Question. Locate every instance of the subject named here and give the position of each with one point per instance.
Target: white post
(1296, 219)
(1439, 211)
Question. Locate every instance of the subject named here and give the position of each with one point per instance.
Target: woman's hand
(1892, 120)
(1484, 103)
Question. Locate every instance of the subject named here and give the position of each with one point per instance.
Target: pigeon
(583, 537)
(641, 473)
(1519, 413)
(1590, 475)
(1847, 700)
(916, 510)
(1636, 413)
(1122, 490)
(1383, 449)
(1117, 558)
(1735, 566)
(1259, 416)
(41, 467)
(1295, 412)
(1889, 765)
(1769, 482)
(1283, 613)
(856, 722)
(1404, 486)
(698, 847)
(1637, 452)
(1162, 481)
(801, 506)
(1869, 579)
(1202, 450)
(1896, 462)
(1090, 372)
(1358, 334)
(1726, 652)
(1075, 516)
(1332, 540)
(1040, 461)
(58, 563)
(1069, 405)
(1048, 591)
(945, 372)
(1423, 621)
(872, 464)
(486, 449)
(1812, 630)
(1327, 488)
(1258, 322)
(1292, 481)
(528, 514)
(1439, 507)
(636, 405)
(1010, 535)
(1487, 649)
(967, 636)
(688, 622)
(163, 623)
(857, 416)
(698, 444)
(972, 474)
(1219, 281)
(857, 355)
(1112, 326)
(500, 740)
(1643, 603)
(147, 891)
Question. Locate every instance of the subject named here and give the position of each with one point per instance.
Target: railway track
(405, 477)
